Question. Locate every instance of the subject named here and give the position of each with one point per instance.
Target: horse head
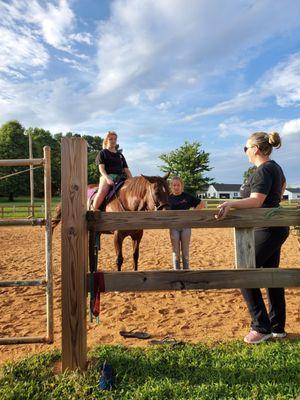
(157, 197)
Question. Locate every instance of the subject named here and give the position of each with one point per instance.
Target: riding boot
(176, 262)
(185, 263)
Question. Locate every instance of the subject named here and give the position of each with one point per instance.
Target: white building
(223, 191)
(292, 194)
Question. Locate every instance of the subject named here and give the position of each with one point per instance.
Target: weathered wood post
(244, 247)
(74, 253)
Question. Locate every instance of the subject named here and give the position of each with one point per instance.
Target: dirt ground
(194, 316)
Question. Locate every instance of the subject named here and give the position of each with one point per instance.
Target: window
(235, 194)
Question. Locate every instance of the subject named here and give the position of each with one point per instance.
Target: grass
(270, 371)
(19, 207)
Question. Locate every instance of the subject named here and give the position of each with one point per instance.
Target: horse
(140, 193)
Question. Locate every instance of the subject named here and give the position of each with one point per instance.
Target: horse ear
(166, 176)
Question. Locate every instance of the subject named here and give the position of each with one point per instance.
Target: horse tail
(57, 217)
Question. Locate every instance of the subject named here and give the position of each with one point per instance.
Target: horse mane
(137, 186)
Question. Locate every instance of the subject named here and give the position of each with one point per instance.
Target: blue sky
(158, 72)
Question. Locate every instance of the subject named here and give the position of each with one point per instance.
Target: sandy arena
(193, 316)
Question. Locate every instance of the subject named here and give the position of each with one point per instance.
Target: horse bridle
(160, 206)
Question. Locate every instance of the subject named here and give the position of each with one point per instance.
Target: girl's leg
(185, 238)
(175, 241)
(101, 194)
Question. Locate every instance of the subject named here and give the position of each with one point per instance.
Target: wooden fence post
(244, 248)
(74, 253)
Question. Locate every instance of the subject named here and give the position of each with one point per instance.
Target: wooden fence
(76, 222)
(47, 283)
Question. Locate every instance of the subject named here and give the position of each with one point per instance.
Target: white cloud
(142, 158)
(28, 26)
(82, 37)
(232, 164)
(157, 44)
(291, 127)
(54, 22)
(284, 82)
(241, 102)
(20, 51)
(234, 126)
(281, 82)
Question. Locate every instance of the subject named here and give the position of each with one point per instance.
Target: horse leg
(136, 239)
(118, 241)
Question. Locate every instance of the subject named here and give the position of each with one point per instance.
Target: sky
(159, 73)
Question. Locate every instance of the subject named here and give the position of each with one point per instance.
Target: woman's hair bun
(274, 140)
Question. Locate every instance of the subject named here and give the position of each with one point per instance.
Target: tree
(13, 145)
(248, 173)
(190, 163)
(94, 146)
(41, 138)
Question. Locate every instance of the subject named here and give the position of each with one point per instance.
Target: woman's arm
(127, 172)
(201, 205)
(254, 201)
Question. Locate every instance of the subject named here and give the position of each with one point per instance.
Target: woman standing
(112, 165)
(264, 188)
(181, 200)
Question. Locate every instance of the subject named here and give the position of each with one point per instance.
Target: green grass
(19, 207)
(270, 371)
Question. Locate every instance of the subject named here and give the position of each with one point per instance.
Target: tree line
(189, 161)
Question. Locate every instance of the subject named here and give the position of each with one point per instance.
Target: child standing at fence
(180, 238)
(264, 188)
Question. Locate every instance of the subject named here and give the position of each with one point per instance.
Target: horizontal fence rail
(23, 222)
(247, 218)
(201, 279)
(24, 340)
(21, 163)
(22, 283)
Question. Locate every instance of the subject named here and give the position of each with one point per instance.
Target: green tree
(41, 138)
(190, 163)
(13, 145)
(248, 173)
(94, 146)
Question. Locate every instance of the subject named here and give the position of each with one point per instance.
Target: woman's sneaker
(255, 337)
(279, 335)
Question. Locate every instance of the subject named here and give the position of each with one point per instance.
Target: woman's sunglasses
(246, 148)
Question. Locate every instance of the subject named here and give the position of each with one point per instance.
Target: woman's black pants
(268, 242)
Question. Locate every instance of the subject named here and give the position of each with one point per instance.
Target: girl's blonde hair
(176, 178)
(266, 141)
(105, 140)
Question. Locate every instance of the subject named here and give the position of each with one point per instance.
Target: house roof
(227, 187)
(293, 190)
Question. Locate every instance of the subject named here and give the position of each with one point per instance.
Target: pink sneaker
(254, 337)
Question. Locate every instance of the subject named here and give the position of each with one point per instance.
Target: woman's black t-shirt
(268, 179)
(114, 163)
(183, 201)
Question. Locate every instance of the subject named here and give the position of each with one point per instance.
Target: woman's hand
(202, 205)
(223, 210)
(109, 181)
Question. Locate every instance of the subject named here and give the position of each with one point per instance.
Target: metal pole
(31, 177)
(48, 243)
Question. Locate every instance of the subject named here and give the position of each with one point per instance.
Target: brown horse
(141, 193)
